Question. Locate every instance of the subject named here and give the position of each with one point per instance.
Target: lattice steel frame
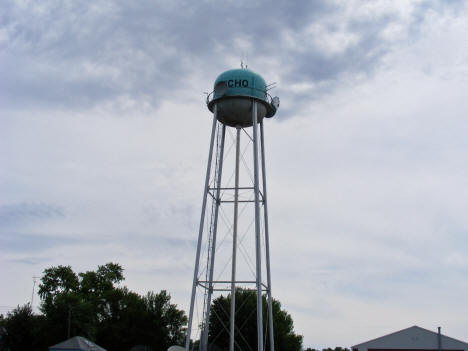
(260, 198)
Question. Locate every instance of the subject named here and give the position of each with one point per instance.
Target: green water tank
(234, 93)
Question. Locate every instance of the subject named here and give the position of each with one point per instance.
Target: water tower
(233, 241)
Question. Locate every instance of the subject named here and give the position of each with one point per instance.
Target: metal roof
(77, 343)
(412, 338)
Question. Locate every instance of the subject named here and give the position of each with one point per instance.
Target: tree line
(95, 305)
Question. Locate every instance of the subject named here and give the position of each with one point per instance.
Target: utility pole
(69, 321)
(32, 295)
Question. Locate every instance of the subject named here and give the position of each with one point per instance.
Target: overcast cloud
(104, 139)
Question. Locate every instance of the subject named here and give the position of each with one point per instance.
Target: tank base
(237, 112)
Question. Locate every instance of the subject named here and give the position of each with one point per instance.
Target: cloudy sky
(104, 137)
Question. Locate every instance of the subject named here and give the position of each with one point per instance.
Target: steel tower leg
(204, 339)
(267, 241)
(200, 232)
(234, 246)
(257, 231)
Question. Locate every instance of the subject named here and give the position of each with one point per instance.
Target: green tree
(150, 320)
(337, 348)
(246, 323)
(21, 330)
(124, 322)
(94, 305)
(71, 302)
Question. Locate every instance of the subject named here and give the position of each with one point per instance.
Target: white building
(412, 339)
